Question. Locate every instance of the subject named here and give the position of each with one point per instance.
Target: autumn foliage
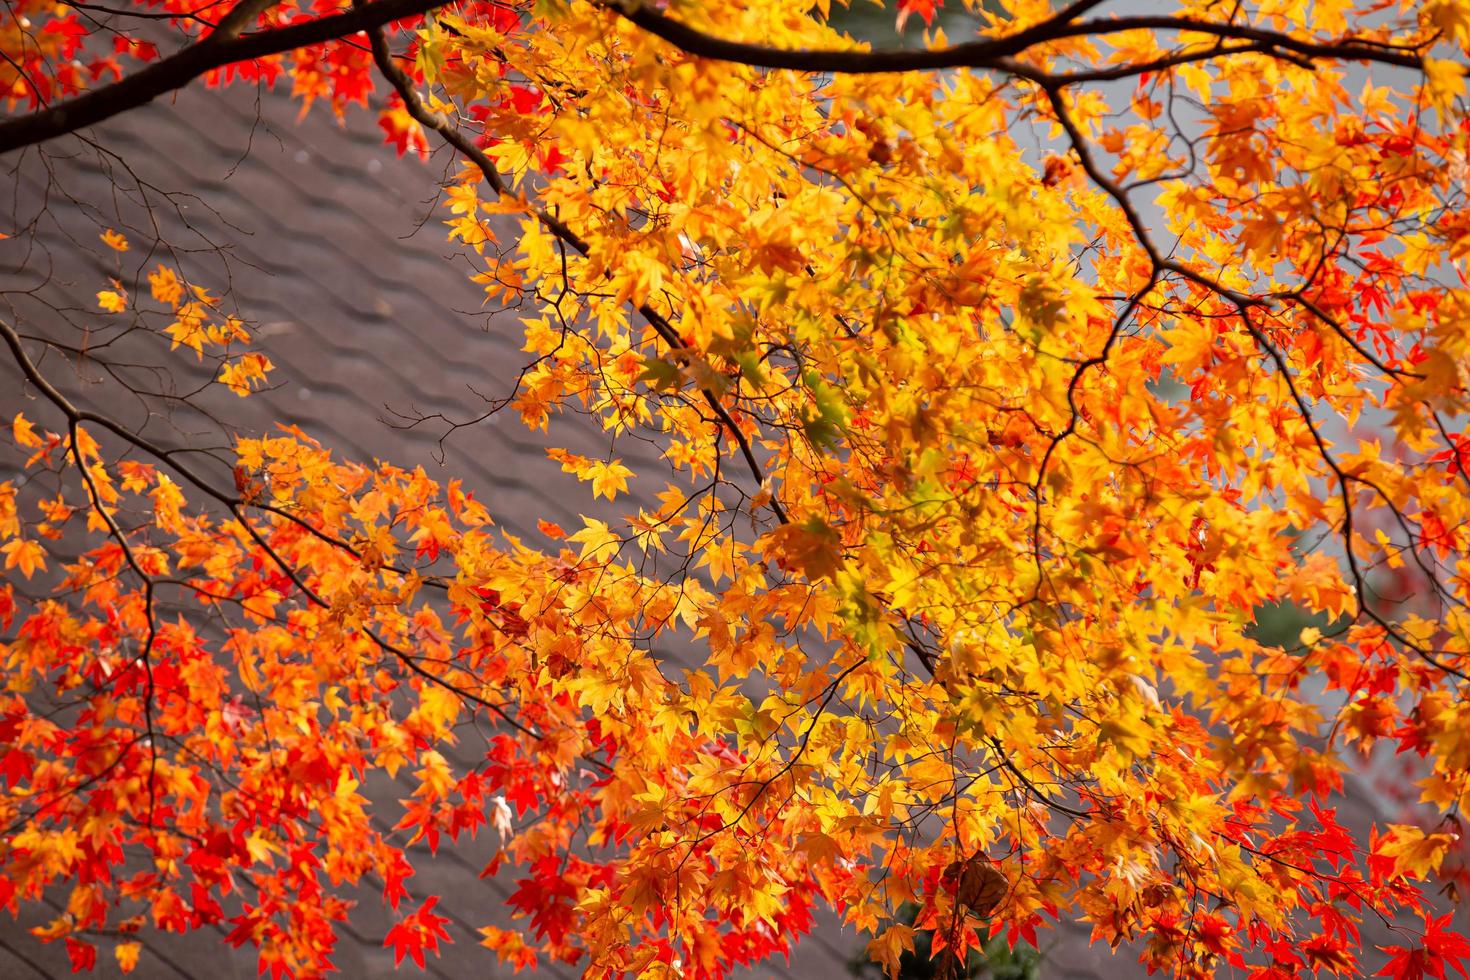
(998, 382)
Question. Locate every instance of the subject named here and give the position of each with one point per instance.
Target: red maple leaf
(1442, 947)
(420, 931)
(924, 8)
(83, 955)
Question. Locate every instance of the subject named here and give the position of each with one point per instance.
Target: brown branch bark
(229, 45)
(226, 46)
(996, 53)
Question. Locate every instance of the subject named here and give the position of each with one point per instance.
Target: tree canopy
(998, 380)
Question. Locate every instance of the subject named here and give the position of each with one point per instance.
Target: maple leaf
(1415, 853)
(597, 540)
(83, 955)
(26, 554)
(126, 954)
(510, 946)
(609, 479)
(113, 300)
(17, 766)
(1451, 18)
(394, 876)
(244, 375)
(1409, 963)
(1443, 947)
(924, 8)
(189, 329)
(24, 433)
(166, 286)
(420, 931)
(978, 884)
(975, 480)
(1328, 953)
(889, 946)
(814, 548)
(402, 130)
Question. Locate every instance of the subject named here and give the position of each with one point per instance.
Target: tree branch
(440, 124)
(225, 46)
(996, 53)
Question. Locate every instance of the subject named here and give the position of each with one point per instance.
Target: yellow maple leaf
(24, 432)
(1415, 854)
(244, 375)
(1444, 82)
(608, 479)
(113, 300)
(510, 946)
(168, 503)
(570, 462)
(813, 548)
(596, 539)
(25, 554)
(166, 286)
(127, 953)
(1450, 17)
(889, 947)
(188, 329)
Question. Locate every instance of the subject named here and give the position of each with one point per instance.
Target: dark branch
(228, 45)
(225, 46)
(440, 124)
(995, 54)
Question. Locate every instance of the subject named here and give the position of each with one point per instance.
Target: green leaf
(660, 374)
